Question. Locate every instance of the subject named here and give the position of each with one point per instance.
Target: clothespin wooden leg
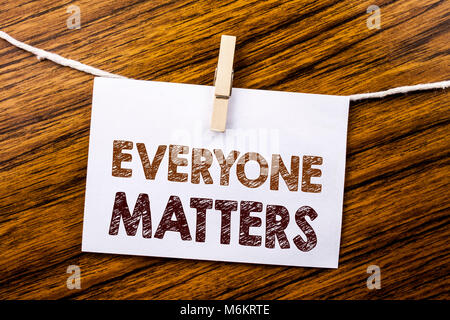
(223, 83)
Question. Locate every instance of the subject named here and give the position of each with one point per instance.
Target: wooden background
(396, 212)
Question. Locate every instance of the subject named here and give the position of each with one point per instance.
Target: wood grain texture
(396, 204)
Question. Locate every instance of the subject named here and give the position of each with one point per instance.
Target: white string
(404, 89)
(42, 54)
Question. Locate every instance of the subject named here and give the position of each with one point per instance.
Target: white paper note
(161, 183)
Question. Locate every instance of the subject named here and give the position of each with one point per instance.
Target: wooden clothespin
(223, 82)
